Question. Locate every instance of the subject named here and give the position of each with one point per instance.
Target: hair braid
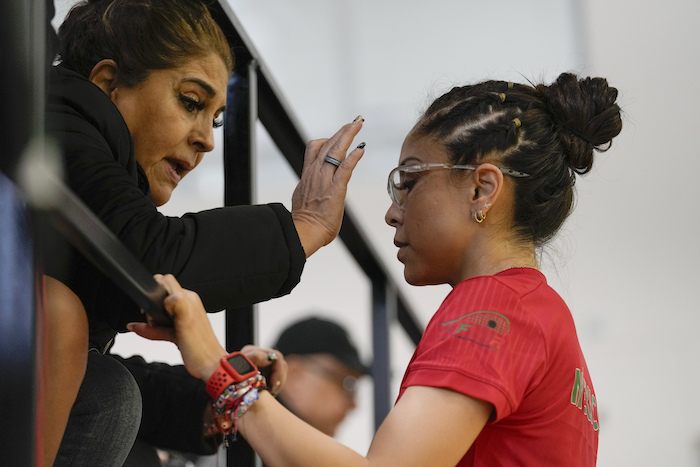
(549, 132)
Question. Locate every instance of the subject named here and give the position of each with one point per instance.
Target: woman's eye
(191, 104)
(407, 184)
(218, 121)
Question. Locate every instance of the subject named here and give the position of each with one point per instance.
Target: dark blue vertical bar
(239, 141)
(18, 329)
(238, 157)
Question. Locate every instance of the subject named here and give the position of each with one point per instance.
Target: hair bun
(587, 114)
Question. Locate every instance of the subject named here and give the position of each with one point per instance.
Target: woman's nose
(203, 138)
(394, 215)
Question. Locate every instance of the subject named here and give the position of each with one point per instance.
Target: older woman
(139, 87)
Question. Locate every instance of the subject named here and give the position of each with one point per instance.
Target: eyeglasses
(401, 181)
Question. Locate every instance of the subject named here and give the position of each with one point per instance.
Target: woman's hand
(192, 332)
(272, 364)
(194, 336)
(319, 198)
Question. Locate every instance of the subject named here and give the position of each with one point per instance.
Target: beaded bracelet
(232, 404)
(235, 391)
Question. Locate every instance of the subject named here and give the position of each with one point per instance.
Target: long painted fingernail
(361, 145)
(358, 118)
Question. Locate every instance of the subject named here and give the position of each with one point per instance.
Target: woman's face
(434, 225)
(171, 116)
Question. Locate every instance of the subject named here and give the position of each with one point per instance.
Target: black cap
(316, 335)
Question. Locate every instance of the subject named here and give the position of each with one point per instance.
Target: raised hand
(318, 201)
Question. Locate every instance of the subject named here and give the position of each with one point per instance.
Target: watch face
(241, 364)
(233, 368)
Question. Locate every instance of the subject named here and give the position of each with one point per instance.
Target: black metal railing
(255, 97)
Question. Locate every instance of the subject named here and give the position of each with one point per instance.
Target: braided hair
(549, 132)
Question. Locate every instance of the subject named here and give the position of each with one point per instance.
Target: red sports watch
(234, 368)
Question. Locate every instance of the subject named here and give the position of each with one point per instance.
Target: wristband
(233, 368)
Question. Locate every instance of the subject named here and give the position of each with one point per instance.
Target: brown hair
(140, 36)
(549, 132)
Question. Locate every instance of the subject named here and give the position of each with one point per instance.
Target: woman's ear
(104, 75)
(488, 181)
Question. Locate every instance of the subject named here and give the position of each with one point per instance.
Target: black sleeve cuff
(297, 255)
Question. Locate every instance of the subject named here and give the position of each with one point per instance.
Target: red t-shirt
(510, 340)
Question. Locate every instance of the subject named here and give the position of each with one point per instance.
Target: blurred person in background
(324, 367)
(320, 355)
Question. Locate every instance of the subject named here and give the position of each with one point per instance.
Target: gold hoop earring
(479, 216)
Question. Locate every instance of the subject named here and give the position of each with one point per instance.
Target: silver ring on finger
(272, 356)
(331, 160)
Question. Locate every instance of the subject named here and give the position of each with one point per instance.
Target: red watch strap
(219, 381)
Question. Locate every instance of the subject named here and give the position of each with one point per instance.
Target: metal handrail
(264, 100)
(281, 124)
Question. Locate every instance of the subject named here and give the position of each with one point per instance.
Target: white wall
(625, 261)
(640, 221)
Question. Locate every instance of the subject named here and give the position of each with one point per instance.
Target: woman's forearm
(282, 439)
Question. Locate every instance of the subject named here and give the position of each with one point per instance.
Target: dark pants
(105, 418)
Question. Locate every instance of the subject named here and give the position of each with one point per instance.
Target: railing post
(239, 152)
(383, 313)
(388, 306)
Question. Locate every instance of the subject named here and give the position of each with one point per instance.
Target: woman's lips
(174, 170)
(399, 244)
(402, 247)
(177, 168)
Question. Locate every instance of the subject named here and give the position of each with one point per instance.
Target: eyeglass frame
(392, 188)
